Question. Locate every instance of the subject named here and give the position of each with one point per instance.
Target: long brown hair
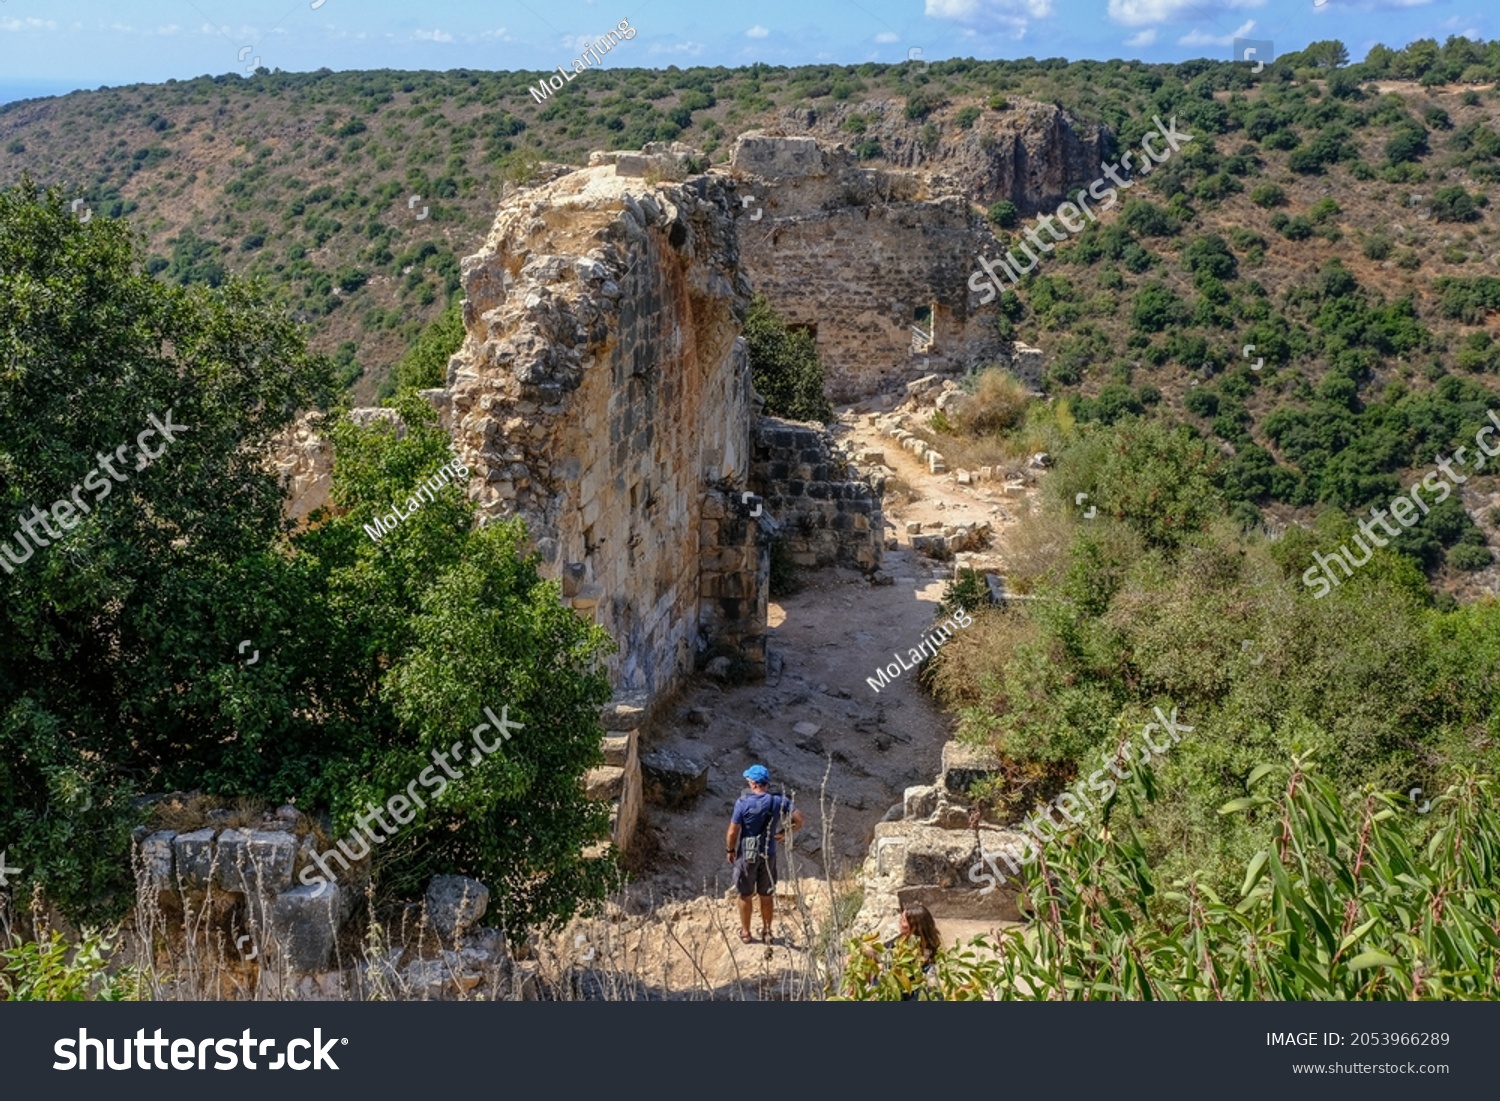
(919, 921)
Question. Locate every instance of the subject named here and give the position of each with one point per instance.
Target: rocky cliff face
(1031, 153)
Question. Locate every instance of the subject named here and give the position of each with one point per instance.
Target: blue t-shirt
(752, 812)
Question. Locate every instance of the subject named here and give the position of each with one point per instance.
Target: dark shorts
(759, 880)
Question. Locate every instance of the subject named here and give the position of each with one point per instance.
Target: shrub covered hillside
(307, 181)
(1160, 600)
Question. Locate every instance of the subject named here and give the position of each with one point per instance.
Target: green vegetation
(118, 667)
(1161, 600)
(1344, 899)
(784, 367)
(425, 365)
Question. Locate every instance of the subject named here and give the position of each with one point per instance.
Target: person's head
(916, 921)
(759, 777)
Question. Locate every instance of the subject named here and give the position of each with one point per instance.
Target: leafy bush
(1454, 204)
(425, 364)
(998, 404)
(1004, 214)
(784, 367)
(52, 970)
(1156, 308)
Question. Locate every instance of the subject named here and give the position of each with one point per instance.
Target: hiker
(760, 820)
(916, 921)
(917, 924)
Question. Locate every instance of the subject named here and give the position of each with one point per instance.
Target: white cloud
(692, 49)
(757, 31)
(433, 36)
(27, 25)
(170, 28)
(1134, 13)
(1142, 38)
(887, 36)
(502, 34)
(991, 15)
(1203, 38)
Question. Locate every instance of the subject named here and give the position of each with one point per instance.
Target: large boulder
(672, 779)
(305, 926)
(455, 903)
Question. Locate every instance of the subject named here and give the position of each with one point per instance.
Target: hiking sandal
(745, 937)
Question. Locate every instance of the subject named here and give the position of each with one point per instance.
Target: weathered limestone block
(672, 779)
(455, 903)
(194, 856)
(761, 154)
(155, 860)
(305, 924)
(605, 782)
(965, 765)
(258, 862)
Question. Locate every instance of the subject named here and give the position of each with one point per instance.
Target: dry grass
(996, 406)
(184, 813)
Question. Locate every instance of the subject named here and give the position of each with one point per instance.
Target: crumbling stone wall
(858, 257)
(828, 512)
(603, 394)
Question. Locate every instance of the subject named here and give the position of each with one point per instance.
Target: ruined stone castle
(603, 391)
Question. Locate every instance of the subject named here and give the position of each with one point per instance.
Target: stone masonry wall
(602, 393)
(829, 514)
(858, 257)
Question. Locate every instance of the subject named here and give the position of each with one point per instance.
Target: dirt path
(845, 752)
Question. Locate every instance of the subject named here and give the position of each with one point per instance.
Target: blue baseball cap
(758, 774)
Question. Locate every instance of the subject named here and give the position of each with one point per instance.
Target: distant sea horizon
(12, 90)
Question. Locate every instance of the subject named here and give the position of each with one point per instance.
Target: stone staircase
(619, 778)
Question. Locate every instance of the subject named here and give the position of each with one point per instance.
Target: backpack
(758, 847)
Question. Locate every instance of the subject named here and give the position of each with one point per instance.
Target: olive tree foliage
(118, 665)
(125, 666)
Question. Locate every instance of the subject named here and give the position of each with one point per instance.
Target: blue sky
(49, 46)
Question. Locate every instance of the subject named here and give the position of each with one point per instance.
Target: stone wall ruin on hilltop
(858, 257)
(603, 394)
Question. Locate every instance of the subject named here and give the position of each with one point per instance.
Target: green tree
(425, 364)
(420, 631)
(118, 670)
(1004, 214)
(784, 367)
